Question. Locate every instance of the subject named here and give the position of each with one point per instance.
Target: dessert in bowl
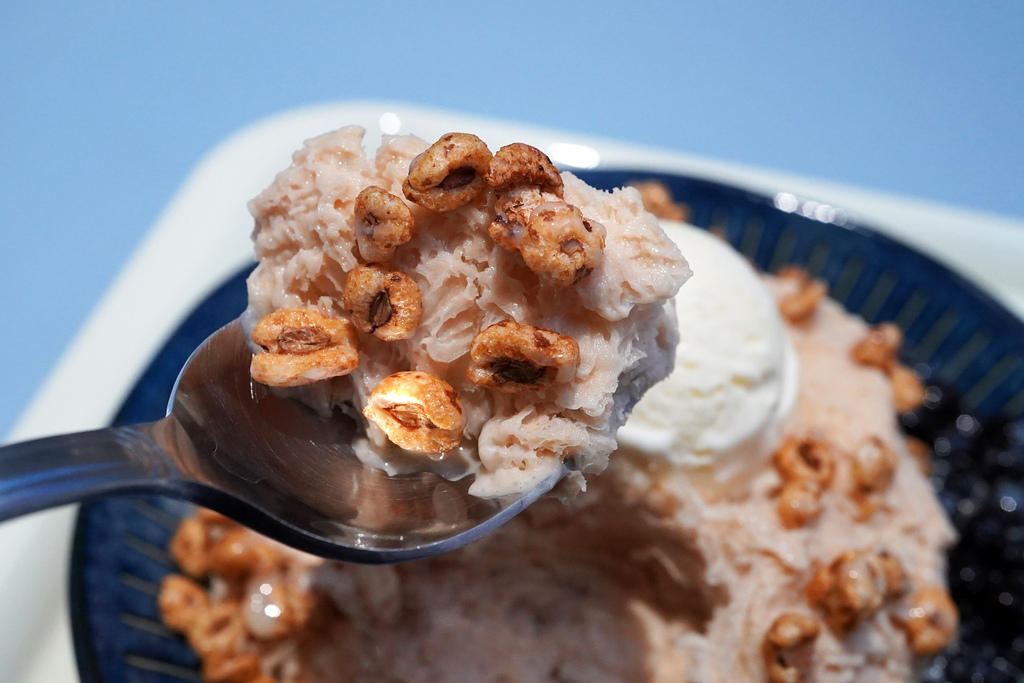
(672, 566)
(475, 309)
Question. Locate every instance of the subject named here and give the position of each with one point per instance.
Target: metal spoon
(231, 445)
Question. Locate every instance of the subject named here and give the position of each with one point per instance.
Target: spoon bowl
(232, 445)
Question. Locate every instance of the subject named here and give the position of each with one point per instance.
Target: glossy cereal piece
(417, 411)
(805, 459)
(449, 174)
(787, 647)
(383, 223)
(181, 601)
(522, 164)
(385, 303)
(510, 357)
(301, 347)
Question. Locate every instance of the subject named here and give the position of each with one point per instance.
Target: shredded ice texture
(655, 573)
(644, 578)
(306, 246)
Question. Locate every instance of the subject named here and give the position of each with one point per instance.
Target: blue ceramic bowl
(953, 332)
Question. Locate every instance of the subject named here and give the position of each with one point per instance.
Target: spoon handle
(44, 473)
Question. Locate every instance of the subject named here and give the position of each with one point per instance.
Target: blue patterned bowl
(953, 331)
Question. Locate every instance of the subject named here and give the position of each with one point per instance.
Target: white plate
(203, 237)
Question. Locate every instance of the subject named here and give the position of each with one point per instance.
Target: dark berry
(939, 472)
(1015, 653)
(936, 671)
(962, 497)
(955, 448)
(1006, 599)
(993, 434)
(940, 409)
(968, 576)
(963, 669)
(1014, 432)
(978, 475)
(970, 657)
(1004, 463)
(999, 522)
(1002, 671)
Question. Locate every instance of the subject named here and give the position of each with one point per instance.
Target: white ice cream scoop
(719, 414)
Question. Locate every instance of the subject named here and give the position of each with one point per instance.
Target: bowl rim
(86, 657)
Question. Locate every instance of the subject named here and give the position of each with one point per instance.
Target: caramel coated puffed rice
(561, 245)
(383, 223)
(385, 303)
(449, 174)
(788, 645)
(907, 390)
(931, 621)
(657, 199)
(190, 547)
(799, 503)
(852, 587)
(805, 459)
(218, 629)
(181, 601)
(806, 467)
(235, 555)
(301, 347)
(510, 357)
(797, 307)
(295, 605)
(879, 348)
(874, 466)
(920, 452)
(222, 667)
(553, 237)
(417, 411)
(522, 164)
(513, 209)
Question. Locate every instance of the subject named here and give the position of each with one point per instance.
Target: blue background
(105, 106)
